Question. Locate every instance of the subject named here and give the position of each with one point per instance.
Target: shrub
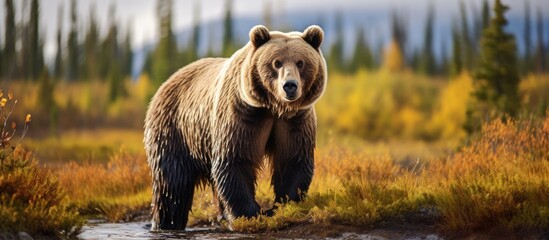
(31, 198)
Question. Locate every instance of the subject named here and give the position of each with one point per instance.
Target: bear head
(284, 72)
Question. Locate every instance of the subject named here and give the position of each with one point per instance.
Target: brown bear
(216, 120)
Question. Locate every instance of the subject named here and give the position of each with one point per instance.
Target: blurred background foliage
(385, 91)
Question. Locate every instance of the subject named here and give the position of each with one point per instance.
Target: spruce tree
(335, 58)
(527, 59)
(72, 45)
(35, 63)
(9, 42)
(540, 48)
(496, 79)
(128, 51)
(195, 43)
(427, 61)
(163, 58)
(457, 58)
(228, 30)
(467, 48)
(362, 56)
(91, 43)
(58, 65)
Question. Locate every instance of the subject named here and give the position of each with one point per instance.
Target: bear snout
(290, 88)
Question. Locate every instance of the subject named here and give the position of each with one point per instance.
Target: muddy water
(140, 231)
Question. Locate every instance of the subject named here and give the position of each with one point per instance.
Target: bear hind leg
(172, 201)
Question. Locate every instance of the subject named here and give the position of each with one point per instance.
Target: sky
(141, 16)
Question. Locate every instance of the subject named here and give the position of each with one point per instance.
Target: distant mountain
(376, 26)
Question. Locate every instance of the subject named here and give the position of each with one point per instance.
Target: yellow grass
(500, 181)
(115, 190)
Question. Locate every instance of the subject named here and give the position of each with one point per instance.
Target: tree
(91, 52)
(496, 79)
(72, 44)
(362, 57)
(457, 60)
(23, 39)
(527, 59)
(335, 58)
(228, 47)
(46, 100)
(163, 57)
(128, 52)
(485, 14)
(36, 60)
(427, 61)
(540, 49)
(195, 43)
(109, 46)
(34, 25)
(9, 43)
(117, 88)
(58, 65)
(467, 48)
(398, 31)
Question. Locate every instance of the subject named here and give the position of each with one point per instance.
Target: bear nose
(290, 87)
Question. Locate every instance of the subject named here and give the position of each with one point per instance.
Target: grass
(501, 181)
(85, 146)
(116, 190)
(405, 165)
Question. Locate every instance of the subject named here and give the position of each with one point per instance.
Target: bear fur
(214, 121)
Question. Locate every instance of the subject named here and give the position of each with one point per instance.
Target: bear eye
(277, 64)
(299, 64)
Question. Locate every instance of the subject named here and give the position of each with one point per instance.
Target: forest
(454, 140)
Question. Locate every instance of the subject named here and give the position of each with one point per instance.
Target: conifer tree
(9, 42)
(398, 31)
(91, 44)
(527, 59)
(195, 43)
(427, 61)
(128, 51)
(228, 30)
(163, 57)
(73, 62)
(540, 48)
(362, 55)
(109, 46)
(335, 58)
(457, 60)
(35, 61)
(467, 48)
(496, 79)
(58, 65)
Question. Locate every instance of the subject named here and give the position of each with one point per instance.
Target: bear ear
(314, 36)
(259, 35)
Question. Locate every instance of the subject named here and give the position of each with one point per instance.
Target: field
(391, 151)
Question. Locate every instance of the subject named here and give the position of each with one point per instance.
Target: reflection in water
(140, 231)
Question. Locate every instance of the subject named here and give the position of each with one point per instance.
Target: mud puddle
(140, 231)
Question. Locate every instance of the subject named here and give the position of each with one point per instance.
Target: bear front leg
(293, 157)
(292, 178)
(234, 182)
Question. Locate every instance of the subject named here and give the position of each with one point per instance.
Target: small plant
(31, 198)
